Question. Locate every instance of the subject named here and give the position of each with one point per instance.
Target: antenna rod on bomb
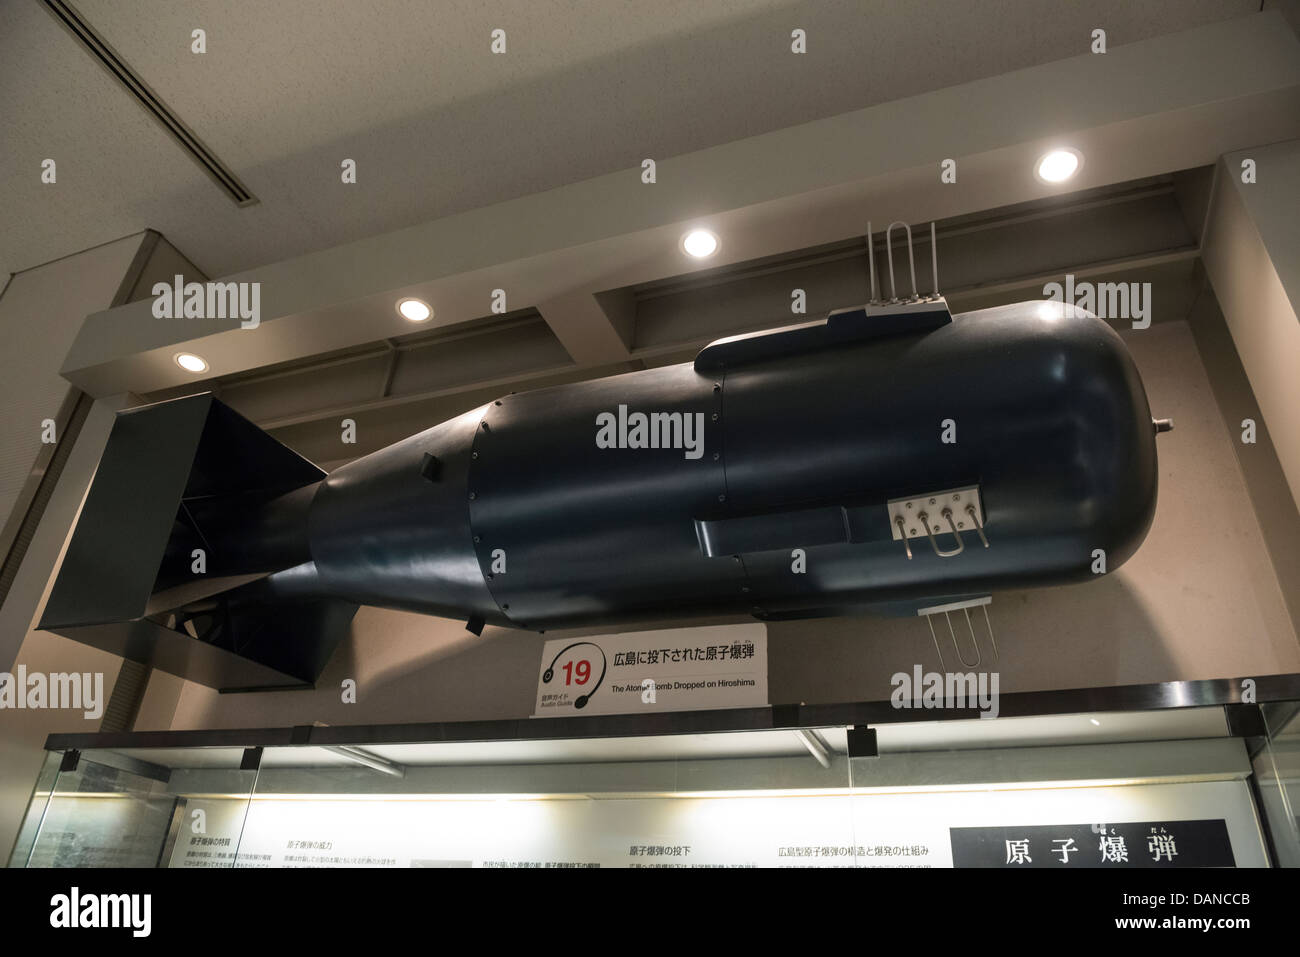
(934, 259)
(871, 261)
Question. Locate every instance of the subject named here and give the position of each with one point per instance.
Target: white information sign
(831, 829)
(684, 669)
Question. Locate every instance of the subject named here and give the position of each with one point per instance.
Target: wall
(40, 313)
(1252, 254)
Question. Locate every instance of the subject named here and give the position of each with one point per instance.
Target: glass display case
(1201, 784)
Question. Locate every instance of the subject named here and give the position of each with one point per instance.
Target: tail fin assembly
(168, 562)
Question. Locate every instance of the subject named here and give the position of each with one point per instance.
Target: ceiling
(436, 123)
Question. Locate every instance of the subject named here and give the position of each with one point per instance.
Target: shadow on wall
(1074, 636)
(412, 668)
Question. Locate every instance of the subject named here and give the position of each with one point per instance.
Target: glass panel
(36, 808)
(141, 808)
(707, 800)
(212, 793)
(1277, 774)
(1139, 789)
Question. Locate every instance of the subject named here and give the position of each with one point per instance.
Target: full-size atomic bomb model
(889, 456)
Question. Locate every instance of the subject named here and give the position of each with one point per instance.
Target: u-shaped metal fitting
(975, 520)
(955, 646)
(947, 515)
(911, 258)
(902, 531)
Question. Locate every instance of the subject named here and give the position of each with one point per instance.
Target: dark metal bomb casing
(800, 451)
(515, 514)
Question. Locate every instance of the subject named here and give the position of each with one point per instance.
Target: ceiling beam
(593, 328)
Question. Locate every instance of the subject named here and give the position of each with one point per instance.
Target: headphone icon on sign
(582, 699)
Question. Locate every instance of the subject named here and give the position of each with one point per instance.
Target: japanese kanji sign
(1137, 844)
(684, 669)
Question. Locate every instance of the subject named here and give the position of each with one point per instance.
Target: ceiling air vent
(85, 34)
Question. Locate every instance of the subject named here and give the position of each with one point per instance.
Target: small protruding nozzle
(1163, 425)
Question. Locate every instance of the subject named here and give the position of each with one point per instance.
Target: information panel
(687, 669)
(831, 829)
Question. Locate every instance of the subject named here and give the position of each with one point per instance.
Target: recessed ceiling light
(1095, 721)
(1058, 165)
(416, 310)
(190, 362)
(700, 243)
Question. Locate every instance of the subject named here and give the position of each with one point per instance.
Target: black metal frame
(1142, 697)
